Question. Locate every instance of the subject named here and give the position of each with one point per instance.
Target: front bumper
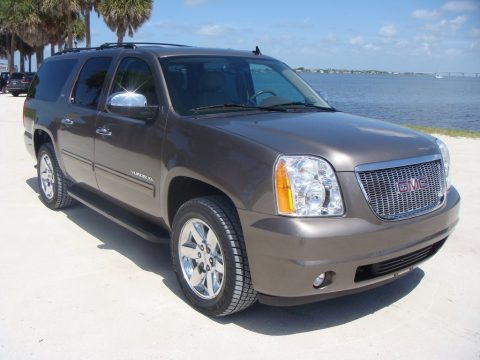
(286, 254)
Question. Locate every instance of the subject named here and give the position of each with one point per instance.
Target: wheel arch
(183, 188)
(41, 137)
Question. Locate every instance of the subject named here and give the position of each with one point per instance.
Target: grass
(448, 132)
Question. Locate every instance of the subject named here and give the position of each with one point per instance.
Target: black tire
(236, 292)
(14, 94)
(60, 198)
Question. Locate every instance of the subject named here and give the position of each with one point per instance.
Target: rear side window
(89, 85)
(50, 79)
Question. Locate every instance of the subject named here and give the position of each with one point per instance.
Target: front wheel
(14, 94)
(209, 257)
(51, 181)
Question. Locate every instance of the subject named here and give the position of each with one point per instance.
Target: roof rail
(134, 44)
(126, 45)
(65, 51)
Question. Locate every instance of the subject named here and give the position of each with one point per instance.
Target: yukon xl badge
(141, 176)
(406, 186)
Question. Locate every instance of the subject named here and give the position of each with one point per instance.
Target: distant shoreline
(449, 132)
(438, 75)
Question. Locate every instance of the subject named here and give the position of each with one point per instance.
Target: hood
(342, 139)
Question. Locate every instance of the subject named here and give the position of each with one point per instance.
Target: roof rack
(65, 51)
(126, 45)
(134, 44)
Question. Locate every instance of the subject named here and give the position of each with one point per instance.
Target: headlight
(306, 186)
(446, 160)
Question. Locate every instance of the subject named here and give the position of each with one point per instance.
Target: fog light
(319, 280)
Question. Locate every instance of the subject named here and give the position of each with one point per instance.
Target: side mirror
(132, 105)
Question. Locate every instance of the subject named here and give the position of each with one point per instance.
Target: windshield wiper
(307, 105)
(238, 106)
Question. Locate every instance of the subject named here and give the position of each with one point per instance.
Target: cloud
(402, 43)
(459, 6)
(425, 14)
(194, 2)
(371, 46)
(388, 31)
(212, 30)
(331, 38)
(475, 32)
(453, 52)
(459, 20)
(357, 40)
(447, 27)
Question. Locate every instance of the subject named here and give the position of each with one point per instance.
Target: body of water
(451, 102)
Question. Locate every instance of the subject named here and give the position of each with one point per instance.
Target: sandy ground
(74, 285)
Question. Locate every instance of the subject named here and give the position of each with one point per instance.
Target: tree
(26, 51)
(12, 15)
(87, 6)
(125, 15)
(69, 9)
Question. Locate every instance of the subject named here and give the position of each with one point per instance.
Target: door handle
(67, 121)
(103, 131)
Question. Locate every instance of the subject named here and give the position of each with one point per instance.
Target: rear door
(77, 126)
(128, 150)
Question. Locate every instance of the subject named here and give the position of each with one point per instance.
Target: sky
(406, 35)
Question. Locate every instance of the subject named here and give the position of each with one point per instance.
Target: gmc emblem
(406, 186)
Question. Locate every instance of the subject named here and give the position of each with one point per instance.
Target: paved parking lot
(74, 285)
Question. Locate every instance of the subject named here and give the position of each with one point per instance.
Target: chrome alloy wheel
(47, 177)
(201, 259)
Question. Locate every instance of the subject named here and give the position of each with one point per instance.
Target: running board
(136, 224)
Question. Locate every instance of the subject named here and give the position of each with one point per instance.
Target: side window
(50, 79)
(89, 85)
(265, 78)
(134, 75)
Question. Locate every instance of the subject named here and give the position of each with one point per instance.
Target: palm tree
(64, 8)
(125, 15)
(86, 7)
(26, 51)
(12, 14)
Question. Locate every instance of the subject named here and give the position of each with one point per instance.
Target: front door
(77, 126)
(127, 150)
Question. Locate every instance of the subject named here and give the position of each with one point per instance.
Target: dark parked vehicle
(3, 80)
(263, 190)
(19, 83)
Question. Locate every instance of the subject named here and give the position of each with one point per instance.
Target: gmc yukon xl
(263, 190)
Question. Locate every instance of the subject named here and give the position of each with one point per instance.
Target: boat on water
(438, 76)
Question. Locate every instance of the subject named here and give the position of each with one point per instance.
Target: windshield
(207, 85)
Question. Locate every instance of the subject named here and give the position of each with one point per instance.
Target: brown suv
(263, 190)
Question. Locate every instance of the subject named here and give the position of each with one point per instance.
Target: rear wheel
(51, 181)
(209, 257)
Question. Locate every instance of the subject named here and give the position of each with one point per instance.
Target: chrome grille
(381, 188)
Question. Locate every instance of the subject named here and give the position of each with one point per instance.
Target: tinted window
(50, 79)
(201, 85)
(17, 76)
(134, 75)
(90, 82)
(265, 78)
